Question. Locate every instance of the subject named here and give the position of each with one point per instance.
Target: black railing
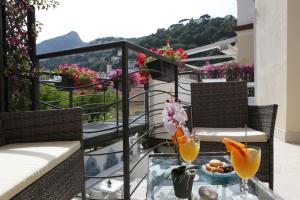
(122, 128)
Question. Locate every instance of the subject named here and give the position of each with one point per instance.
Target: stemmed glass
(246, 163)
(189, 150)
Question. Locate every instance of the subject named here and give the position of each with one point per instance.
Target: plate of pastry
(217, 168)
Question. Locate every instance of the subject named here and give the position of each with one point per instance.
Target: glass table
(160, 184)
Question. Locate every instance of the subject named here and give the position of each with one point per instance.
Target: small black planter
(182, 182)
(165, 71)
(118, 85)
(65, 83)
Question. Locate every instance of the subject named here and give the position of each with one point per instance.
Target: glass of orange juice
(246, 163)
(189, 149)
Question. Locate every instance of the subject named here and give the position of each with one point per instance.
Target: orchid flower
(173, 115)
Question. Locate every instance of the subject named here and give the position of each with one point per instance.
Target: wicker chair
(65, 180)
(224, 105)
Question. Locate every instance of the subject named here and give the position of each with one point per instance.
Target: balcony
(115, 130)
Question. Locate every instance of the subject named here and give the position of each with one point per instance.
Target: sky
(120, 18)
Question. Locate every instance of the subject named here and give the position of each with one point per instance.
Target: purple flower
(13, 78)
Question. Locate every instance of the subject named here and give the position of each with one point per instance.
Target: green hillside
(187, 33)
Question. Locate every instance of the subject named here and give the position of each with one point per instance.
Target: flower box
(164, 71)
(66, 83)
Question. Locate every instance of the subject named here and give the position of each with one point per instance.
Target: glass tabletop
(160, 184)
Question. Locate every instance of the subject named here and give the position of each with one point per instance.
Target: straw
(246, 135)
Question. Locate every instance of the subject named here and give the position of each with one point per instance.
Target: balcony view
(139, 100)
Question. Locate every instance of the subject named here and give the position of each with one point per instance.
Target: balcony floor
(286, 169)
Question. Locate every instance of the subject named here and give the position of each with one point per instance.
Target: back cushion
(219, 105)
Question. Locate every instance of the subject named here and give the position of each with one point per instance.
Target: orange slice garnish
(181, 137)
(232, 145)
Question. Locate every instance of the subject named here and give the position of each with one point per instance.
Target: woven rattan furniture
(66, 179)
(224, 105)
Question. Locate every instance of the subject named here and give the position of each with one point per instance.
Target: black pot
(119, 86)
(182, 182)
(164, 71)
(65, 83)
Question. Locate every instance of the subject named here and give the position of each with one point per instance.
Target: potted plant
(74, 77)
(116, 76)
(233, 71)
(182, 178)
(159, 69)
(213, 73)
(174, 118)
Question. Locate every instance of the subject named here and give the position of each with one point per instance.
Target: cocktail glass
(246, 163)
(189, 150)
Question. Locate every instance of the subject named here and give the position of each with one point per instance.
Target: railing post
(1, 59)
(4, 92)
(71, 98)
(146, 88)
(125, 109)
(176, 81)
(117, 108)
(34, 89)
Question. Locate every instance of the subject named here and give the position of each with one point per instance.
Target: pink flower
(168, 42)
(13, 78)
(160, 51)
(141, 58)
(173, 115)
(153, 49)
(180, 50)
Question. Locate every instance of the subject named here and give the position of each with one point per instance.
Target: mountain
(69, 41)
(187, 33)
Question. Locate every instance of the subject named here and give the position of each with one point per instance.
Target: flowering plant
(174, 118)
(80, 76)
(166, 51)
(233, 71)
(133, 76)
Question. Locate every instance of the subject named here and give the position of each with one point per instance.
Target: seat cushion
(217, 134)
(24, 163)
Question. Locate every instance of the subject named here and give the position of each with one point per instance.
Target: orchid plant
(173, 115)
(174, 118)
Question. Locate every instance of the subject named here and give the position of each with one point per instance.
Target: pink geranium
(81, 76)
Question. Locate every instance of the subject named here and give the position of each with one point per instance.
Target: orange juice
(246, 166)
(189, 151)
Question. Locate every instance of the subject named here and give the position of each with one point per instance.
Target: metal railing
(123, 127)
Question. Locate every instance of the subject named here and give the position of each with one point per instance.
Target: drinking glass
(190, 149)
(246, 164)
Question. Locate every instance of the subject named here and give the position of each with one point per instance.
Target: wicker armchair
(224, 105)
(65, 180)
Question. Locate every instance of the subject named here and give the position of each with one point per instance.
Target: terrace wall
(277, 70)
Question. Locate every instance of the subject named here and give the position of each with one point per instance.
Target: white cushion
(24, 163)
(238, 134)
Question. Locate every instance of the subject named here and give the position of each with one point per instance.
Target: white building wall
(245, 12)
(245, 44)
(293, 72)
(271, 57)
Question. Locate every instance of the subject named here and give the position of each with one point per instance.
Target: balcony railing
(122, 126)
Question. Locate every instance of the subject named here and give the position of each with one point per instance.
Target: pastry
(215, 163)
(218, 166)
